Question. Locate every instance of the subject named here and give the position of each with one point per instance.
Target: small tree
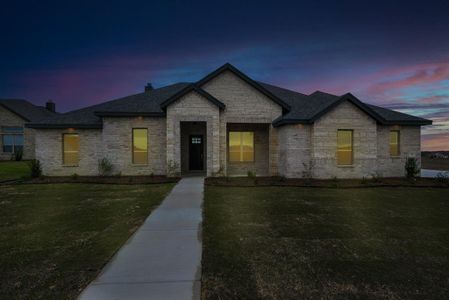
(411, 167)
(35, 168)
(104, 167)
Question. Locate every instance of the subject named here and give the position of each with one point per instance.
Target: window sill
(395, 157)
(240, 162)
(140, 165)
(70, 166)
(345, 166)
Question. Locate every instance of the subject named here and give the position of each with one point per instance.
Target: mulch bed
(325, 183)
(102, 179)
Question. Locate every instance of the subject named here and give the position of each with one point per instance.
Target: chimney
(50, 105)
(149, 87)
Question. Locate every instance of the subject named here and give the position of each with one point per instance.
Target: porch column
(173, 147)
(213, 145)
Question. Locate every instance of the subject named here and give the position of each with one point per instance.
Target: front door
(196, 150)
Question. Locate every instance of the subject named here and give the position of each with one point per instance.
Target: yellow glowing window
(344, 147)
(241, 146)
(394, 143)
(71, 147)
(140, 146)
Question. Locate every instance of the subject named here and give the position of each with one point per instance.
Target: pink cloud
(421, 76)
(432, 99)
(435, 142)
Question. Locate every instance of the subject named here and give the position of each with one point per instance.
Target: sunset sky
(77, 53)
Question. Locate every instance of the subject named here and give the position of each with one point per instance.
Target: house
(229, 124)
(15, 137)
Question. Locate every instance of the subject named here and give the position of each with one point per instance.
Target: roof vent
(50, 105)
(149, 87)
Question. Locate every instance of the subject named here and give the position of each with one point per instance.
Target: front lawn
(298, 243)
(10, 170)
(55, 238)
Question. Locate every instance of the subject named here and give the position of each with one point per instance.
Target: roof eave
(128, 114)
(281, 122)
(64, 126)
(422, 122)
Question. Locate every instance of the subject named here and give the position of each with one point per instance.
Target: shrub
(104, 167)
(18, 155)
(35, 168)
(74, 176)
(411, 167)
(251, 174)
(443, 178)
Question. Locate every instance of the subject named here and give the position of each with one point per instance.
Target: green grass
(55, 238)
(300, 243)
(10, 170)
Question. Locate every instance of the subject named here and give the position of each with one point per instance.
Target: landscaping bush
(35, 168)
(104, 167)
(443, 178)
(411, 167)
(251, 174)
(18, 155)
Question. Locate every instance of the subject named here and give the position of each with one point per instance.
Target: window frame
(13, 134)
(63, 149)
(398, 143)
(132, 147)
(352, 148)
(241, 144)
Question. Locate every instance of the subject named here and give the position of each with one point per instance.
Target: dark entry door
(196, 150)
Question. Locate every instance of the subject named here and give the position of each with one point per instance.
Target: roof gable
(26, 110)
(192, 88)
(241, 75)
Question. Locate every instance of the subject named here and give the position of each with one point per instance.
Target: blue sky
(391, 53)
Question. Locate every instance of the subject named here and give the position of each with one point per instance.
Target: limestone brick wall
(193, 108)
(244, 104)
(295, 151)
(49, 151)
(409, 146)
(117, 145)
(324, 143)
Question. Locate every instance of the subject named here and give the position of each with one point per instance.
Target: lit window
(394, 143)
(12, 139)
(241, 146)
(196, 140)
(71, 147)
(344, 147)
(140, 146)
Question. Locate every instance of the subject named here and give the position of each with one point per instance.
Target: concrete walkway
(163, 258)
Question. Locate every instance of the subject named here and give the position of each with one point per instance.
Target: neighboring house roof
(297, 107)
(26, 110)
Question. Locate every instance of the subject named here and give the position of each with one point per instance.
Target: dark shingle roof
(394, 117)
(298, 108)
(26, 110)
(146, 103)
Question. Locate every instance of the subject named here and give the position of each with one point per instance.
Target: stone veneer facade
(8, 118)
(310, 150)
(290, 150)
